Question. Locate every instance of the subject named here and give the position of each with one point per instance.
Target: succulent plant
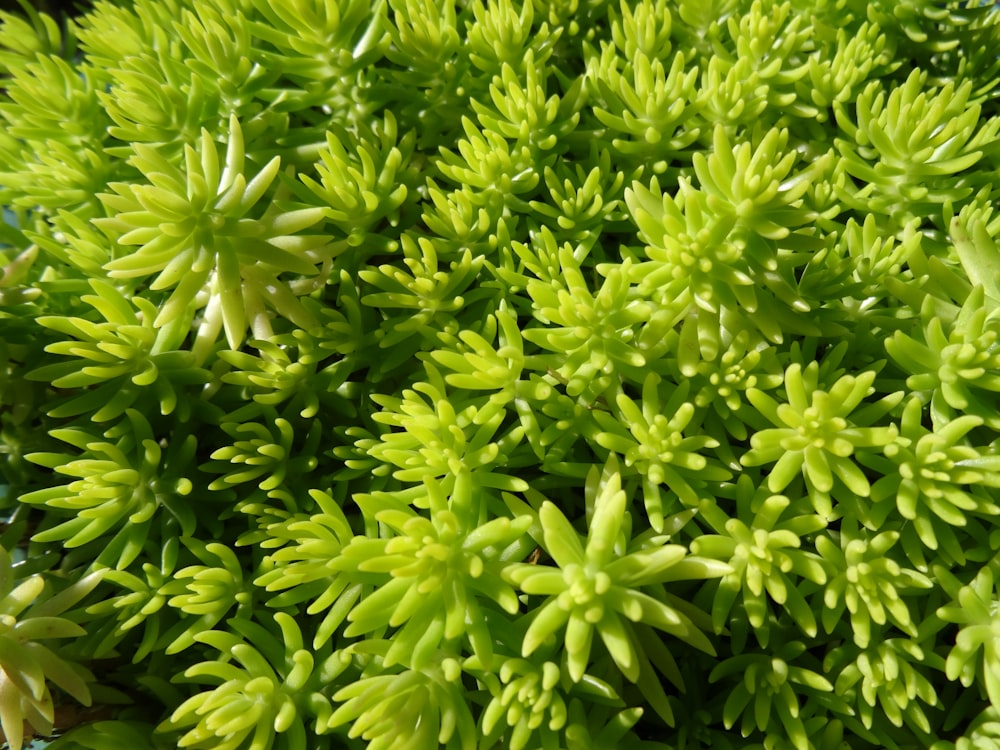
(500, 374)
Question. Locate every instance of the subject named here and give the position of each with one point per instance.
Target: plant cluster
(486, 374)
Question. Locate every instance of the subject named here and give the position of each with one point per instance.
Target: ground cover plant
(500, 374)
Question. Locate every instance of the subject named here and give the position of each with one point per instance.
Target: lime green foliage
(657, 447)
(976, 615)
(767, 561)
(431, 574)
(127, 353)
(867, 582)
(899, 136)
(984, 732)
(596, 585)
(886, 678)
(30, 617)
(264, 694)
(415, 707)
(814, 435)
(769, 692)
(115, 495)
(959, 366)
(191, 229)
(482, 374)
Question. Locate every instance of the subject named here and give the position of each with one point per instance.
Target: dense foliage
(528, 374)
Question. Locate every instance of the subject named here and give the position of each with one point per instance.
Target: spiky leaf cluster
(500, 373)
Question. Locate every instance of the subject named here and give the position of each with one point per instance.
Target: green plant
(493, 374)
(29, 615)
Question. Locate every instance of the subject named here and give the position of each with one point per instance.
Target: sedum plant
(485, 374)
